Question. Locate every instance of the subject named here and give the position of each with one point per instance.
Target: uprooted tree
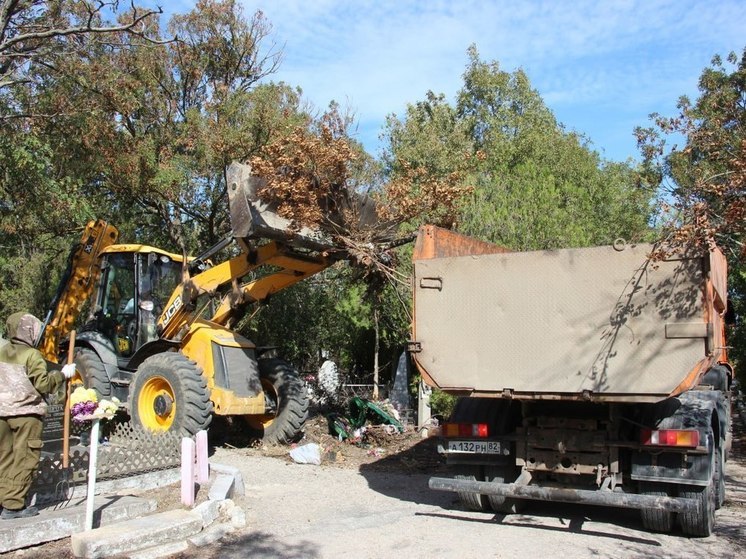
(310, 175)
(313, 176)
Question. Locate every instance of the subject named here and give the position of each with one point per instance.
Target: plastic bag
(307, 454)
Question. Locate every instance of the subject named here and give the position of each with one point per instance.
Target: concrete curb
(136, 534)
(161, 551)
(53, 525)
(125, 517)
(238, 486)
(171, 532)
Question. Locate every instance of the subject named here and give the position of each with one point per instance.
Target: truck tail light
(478, 430)
(670, 437)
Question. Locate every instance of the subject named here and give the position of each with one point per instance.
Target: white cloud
(633, 56)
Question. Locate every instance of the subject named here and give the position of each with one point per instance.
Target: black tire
(470, 500)
(719, 477)
(287, 401)
(92, 372)
(701, 521)
(499, 504)
(169, 394)
(656, 520)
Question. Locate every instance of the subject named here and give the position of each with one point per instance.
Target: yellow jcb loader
(159, 331)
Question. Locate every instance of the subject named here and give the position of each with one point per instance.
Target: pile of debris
(354, 426)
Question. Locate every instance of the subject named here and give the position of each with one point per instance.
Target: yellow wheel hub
(156, 405)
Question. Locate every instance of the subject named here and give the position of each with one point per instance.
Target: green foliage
(736, 334)
(441, 403)
(535, 185)
(330, 312)
(147, 130)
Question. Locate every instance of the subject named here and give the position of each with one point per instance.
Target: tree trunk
(375, 354)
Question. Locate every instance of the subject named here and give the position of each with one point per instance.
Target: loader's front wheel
(170, 394)
(91, 371)
(286, 404)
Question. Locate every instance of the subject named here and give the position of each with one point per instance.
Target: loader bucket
(254, 218)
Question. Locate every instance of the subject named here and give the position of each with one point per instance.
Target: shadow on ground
(404, 475)
(257, 545)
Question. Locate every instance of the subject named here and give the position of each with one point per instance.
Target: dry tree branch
(89, 28)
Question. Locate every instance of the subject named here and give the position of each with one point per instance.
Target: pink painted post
(187, 471)
(203, 466)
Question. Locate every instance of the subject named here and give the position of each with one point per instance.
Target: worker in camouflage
(24, 380)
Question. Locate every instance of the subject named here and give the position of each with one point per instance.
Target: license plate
(474, 447)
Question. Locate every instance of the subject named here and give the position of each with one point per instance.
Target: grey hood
(23, 328)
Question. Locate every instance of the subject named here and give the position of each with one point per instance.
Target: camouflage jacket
(23, 372)
(17, 395)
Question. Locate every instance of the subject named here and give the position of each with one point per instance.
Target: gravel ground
(372, 501)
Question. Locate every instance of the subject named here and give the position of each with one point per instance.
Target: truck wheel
(472, 501)
(170, 394)
(499, 504)
(656, 520)
(719, 474)
(92, 372)
(701, 521)
(286, 403)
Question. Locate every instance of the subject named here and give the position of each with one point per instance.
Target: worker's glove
(69, 370)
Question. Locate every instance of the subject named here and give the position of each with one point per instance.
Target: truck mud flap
(580, 496)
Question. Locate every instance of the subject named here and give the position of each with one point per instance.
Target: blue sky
(602, 67)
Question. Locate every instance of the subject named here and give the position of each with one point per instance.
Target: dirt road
(385, 509)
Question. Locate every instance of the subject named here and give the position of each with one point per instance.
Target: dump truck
(589, 375)
(159, 333)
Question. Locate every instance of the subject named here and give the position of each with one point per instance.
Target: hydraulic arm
(76, 285)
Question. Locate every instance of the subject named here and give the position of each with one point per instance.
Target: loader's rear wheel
(656, 520)
(92, 373)
(170, 394)
(286, 402)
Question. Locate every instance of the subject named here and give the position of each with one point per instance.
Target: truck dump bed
(599, 324)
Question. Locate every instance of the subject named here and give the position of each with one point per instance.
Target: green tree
(141, 134)
(36, 31)
(535, 185)
(164, 121)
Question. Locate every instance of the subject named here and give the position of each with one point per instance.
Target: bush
(442, 404)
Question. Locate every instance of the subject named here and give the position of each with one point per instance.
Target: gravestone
(400, 392)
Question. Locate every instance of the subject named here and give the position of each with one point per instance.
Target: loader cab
(136, 282)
